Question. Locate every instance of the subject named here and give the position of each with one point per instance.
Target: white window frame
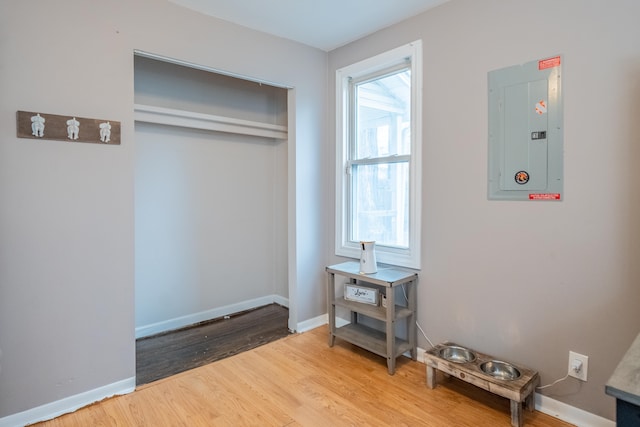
(411, 53)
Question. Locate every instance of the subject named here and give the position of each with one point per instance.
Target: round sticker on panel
(522, 177)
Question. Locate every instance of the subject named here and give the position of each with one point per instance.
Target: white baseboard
(181, 322)
(570, 414)
(280, 300)
(316, 322)
(68, 404)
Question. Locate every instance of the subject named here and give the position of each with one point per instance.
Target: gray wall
(529, 281)
(67, 209)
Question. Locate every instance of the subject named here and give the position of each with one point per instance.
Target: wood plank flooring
(300, 381)
(163, 355)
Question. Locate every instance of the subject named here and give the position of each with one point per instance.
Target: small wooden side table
(386, 344)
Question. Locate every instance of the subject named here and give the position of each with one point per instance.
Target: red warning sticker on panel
(544, 196)
(543, 64)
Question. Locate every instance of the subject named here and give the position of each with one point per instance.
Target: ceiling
(324, 24)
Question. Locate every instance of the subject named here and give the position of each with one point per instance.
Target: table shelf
(371, 339)
(374, 311)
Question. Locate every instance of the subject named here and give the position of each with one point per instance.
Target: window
(378, 156)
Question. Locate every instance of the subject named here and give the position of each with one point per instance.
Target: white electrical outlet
(578, 365)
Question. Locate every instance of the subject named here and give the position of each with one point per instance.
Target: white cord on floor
(553, 383)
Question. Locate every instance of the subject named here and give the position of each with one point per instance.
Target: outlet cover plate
(582, 375)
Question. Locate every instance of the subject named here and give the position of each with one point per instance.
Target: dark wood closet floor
(166, 354)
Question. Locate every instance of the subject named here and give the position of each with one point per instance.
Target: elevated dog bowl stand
(518, 391)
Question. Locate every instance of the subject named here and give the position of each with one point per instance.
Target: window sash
(378, 160)
(367, 218)
(354, 105)
(370, 69)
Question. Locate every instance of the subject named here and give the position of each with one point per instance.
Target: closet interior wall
(210, 205)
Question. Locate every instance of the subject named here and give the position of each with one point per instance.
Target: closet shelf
(190, 119)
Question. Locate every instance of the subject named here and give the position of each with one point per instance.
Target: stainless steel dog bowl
(500, 370)
(456, 354)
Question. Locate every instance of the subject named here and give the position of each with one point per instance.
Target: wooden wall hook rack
(34, 125)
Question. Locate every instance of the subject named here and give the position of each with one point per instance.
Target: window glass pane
(380, 203)
(383, 114)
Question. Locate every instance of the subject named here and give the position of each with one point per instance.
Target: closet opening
(211, 239)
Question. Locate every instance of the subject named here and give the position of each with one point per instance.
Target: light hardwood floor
(300, 381)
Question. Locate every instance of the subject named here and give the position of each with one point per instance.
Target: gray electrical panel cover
(525, 131)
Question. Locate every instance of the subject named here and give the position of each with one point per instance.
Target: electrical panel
(525, 131)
